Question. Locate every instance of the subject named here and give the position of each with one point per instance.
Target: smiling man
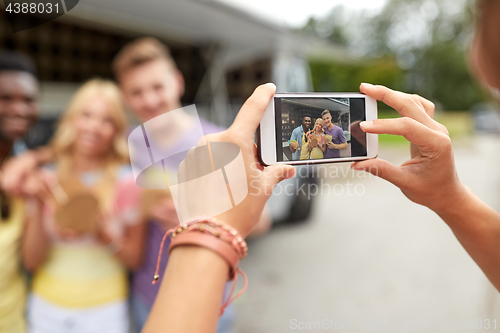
(298, 136)
(18, 91)
(339, 141)
(152, 86)
(18, 110)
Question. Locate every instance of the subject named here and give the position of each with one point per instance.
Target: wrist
(216, 239)
(214, 235)
(456, 201)
(199, 255)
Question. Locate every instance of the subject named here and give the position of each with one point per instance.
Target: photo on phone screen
(319, 128)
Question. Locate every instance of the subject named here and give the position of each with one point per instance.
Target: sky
(295, 14)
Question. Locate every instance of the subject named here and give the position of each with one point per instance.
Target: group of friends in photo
(323, 140)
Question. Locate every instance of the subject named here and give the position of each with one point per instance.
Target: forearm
(36, 242)
(477, 227)
(190, 296)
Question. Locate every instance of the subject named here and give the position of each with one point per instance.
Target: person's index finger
(409, 128)
(428, 106)
(250, 114)
(392, 98)
(406, 105)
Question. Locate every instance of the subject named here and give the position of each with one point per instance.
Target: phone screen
(310, 128)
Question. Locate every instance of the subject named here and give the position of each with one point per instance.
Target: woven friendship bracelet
(218, 229)
(216, 236)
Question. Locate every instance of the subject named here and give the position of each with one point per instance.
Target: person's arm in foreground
(429, 178)
(190, 295)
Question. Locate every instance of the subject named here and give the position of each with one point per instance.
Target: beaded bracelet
(220, 230)
(215, 236)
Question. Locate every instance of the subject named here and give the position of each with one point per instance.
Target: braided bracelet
(216, 236)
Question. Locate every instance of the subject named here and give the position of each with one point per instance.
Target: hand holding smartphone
(313, 128)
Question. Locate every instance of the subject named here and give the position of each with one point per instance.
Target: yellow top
(12, 284)
(81, 276)
(81, 273)
(304, 152)
(316, 152)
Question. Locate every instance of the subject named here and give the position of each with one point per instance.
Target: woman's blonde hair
(65, 136)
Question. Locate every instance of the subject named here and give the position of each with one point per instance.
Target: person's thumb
(382, 169)
(274, 174)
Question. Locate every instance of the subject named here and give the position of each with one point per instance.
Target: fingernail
(367, 85)
(270, 84)
(366, 123)
(290, 173)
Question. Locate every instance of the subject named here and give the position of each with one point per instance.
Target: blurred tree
(410, 45)
(328, 76)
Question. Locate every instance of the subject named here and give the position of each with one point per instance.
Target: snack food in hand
(80, 212)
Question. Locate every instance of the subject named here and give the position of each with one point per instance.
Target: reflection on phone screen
(310, 128)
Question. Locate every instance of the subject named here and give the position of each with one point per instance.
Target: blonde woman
(80, 279)
(316, 136)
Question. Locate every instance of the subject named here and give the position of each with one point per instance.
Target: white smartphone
(313, 128)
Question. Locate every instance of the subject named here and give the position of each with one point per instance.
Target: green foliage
(340, 77)
(411, 45)
(443, 77)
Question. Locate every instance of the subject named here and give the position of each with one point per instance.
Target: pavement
(370, 260)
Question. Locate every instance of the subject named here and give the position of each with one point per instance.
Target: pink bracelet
(218, 229)
(216, 236)
(210, 242)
